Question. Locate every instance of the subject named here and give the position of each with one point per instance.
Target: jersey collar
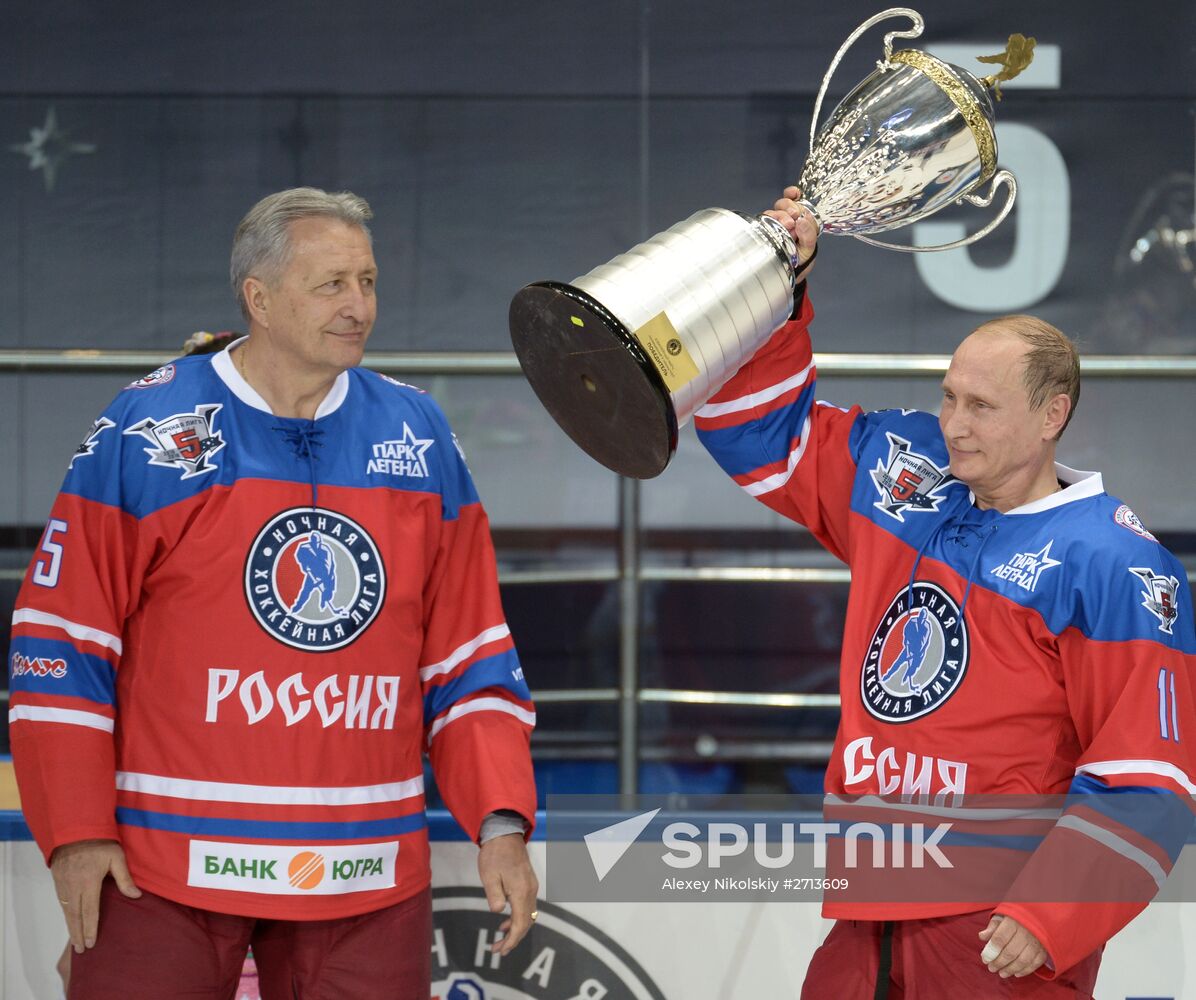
(1078, 485)
(222, 362)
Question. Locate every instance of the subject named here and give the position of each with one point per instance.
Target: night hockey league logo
(917, 657)
(314, 579)
(88, 445)
(1129, 520)
(1159, 596)
(562, 958)
(159, 376)
(183, 441)
(909, 481)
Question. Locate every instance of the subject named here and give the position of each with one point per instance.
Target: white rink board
(720, 951)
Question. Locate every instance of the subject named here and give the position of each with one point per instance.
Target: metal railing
(878, 365)
(629, 573)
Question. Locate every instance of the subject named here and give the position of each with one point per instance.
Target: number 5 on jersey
(45, 570)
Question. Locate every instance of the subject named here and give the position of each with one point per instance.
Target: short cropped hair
(262, 244)
(1052, 363)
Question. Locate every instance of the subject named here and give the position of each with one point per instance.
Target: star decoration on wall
(49, 147)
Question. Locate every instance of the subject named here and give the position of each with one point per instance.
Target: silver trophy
(623, 356)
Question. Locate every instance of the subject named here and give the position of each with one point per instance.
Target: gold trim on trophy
(962, 98)
(626, 354)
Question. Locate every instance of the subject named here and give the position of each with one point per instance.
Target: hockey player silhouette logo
(316, 559)
(314, 579)
(917, 657)
(915, 640)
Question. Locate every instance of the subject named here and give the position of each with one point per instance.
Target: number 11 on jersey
(1167, 696)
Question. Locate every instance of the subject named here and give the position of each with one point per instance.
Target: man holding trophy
(1060, 650)
(1012, 630)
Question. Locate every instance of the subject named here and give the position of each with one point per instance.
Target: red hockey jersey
(1046, 650)
(239, 634)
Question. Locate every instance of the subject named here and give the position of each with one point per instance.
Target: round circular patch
(1128, 519)
(314, 579)
(159, 376)
(917, 657)
(306, 870)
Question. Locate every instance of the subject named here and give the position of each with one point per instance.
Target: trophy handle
(979, 200)
(884, 15)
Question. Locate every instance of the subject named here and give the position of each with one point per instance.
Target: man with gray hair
(222, 754)
(1011, 630)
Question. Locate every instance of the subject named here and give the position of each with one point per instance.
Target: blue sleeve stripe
(216, 826)
(34, 661)
(499, 671)
(746, 447)
(855, 440)
(1156, 814)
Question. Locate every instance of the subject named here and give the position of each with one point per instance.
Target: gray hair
(262, 244)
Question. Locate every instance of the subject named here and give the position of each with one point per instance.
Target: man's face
(321, 308)
(993, 437)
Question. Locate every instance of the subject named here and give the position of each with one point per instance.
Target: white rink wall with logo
(716, 951)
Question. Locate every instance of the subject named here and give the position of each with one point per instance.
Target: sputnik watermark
(867, 849)
(723, 841)
(752, 852)
(730, 840)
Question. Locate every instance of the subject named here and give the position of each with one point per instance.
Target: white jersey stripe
(950, 812)
(1159, 767)
(463, 652)
(69, 716)
(781, 478)
(756, 398)
(482, 705)
(73, 629)
(285, 795)
(1117, 845)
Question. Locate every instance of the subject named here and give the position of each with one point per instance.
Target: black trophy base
(594, 378)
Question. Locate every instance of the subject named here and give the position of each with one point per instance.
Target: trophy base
(593, 377)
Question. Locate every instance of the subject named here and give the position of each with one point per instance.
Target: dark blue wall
(503, 143)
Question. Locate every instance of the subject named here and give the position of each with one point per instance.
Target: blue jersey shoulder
(180, 430)
(1146, 593)
(412, 445)
(167, 419)
(1091, 565)
(902, 472)
(871, 436)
